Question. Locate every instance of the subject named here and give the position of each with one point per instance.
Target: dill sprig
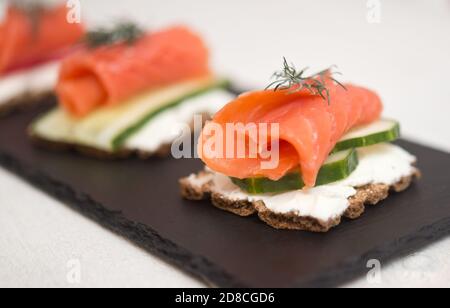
(124, 32)
(289, 78)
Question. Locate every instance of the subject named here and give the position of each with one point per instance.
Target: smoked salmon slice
(25, 42)
(309, 128)
(111, 74)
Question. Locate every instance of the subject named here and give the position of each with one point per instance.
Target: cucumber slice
(109, 127)
(121, 137)
(337, 167)
(377, 132)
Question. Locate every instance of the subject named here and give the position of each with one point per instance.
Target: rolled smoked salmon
(309, 128)
(111, 74)
(23, 42)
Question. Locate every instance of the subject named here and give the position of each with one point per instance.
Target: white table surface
(405, 57)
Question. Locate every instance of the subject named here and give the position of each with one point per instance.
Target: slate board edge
(385, 254)
(139, 234)
(149, 239)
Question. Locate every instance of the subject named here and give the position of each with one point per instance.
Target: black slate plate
(140, 201)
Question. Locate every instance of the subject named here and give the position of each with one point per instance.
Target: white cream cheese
(379, 164)
(168, 125)
(38, 79)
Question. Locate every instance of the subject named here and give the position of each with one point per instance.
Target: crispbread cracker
(25, 101)
(38, 141)
(372, 194)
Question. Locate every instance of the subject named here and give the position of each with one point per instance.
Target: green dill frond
(124, 32)
(289, 78)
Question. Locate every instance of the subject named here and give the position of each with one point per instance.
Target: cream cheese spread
(38, 79)
(379, 164)
(168, 125)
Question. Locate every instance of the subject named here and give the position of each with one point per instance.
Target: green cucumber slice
(120, 138)
(109, 127)
(337, 167)
(381, 131)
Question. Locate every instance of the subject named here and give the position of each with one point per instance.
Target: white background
(405, 57)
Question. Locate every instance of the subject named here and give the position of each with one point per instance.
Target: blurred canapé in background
(400, 48)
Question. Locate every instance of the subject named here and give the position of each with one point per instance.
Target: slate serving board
(140, 200)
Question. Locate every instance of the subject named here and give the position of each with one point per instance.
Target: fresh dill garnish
(289, 78)
(124, 32)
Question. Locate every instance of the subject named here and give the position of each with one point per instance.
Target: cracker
(25, 102)
(202, 189)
